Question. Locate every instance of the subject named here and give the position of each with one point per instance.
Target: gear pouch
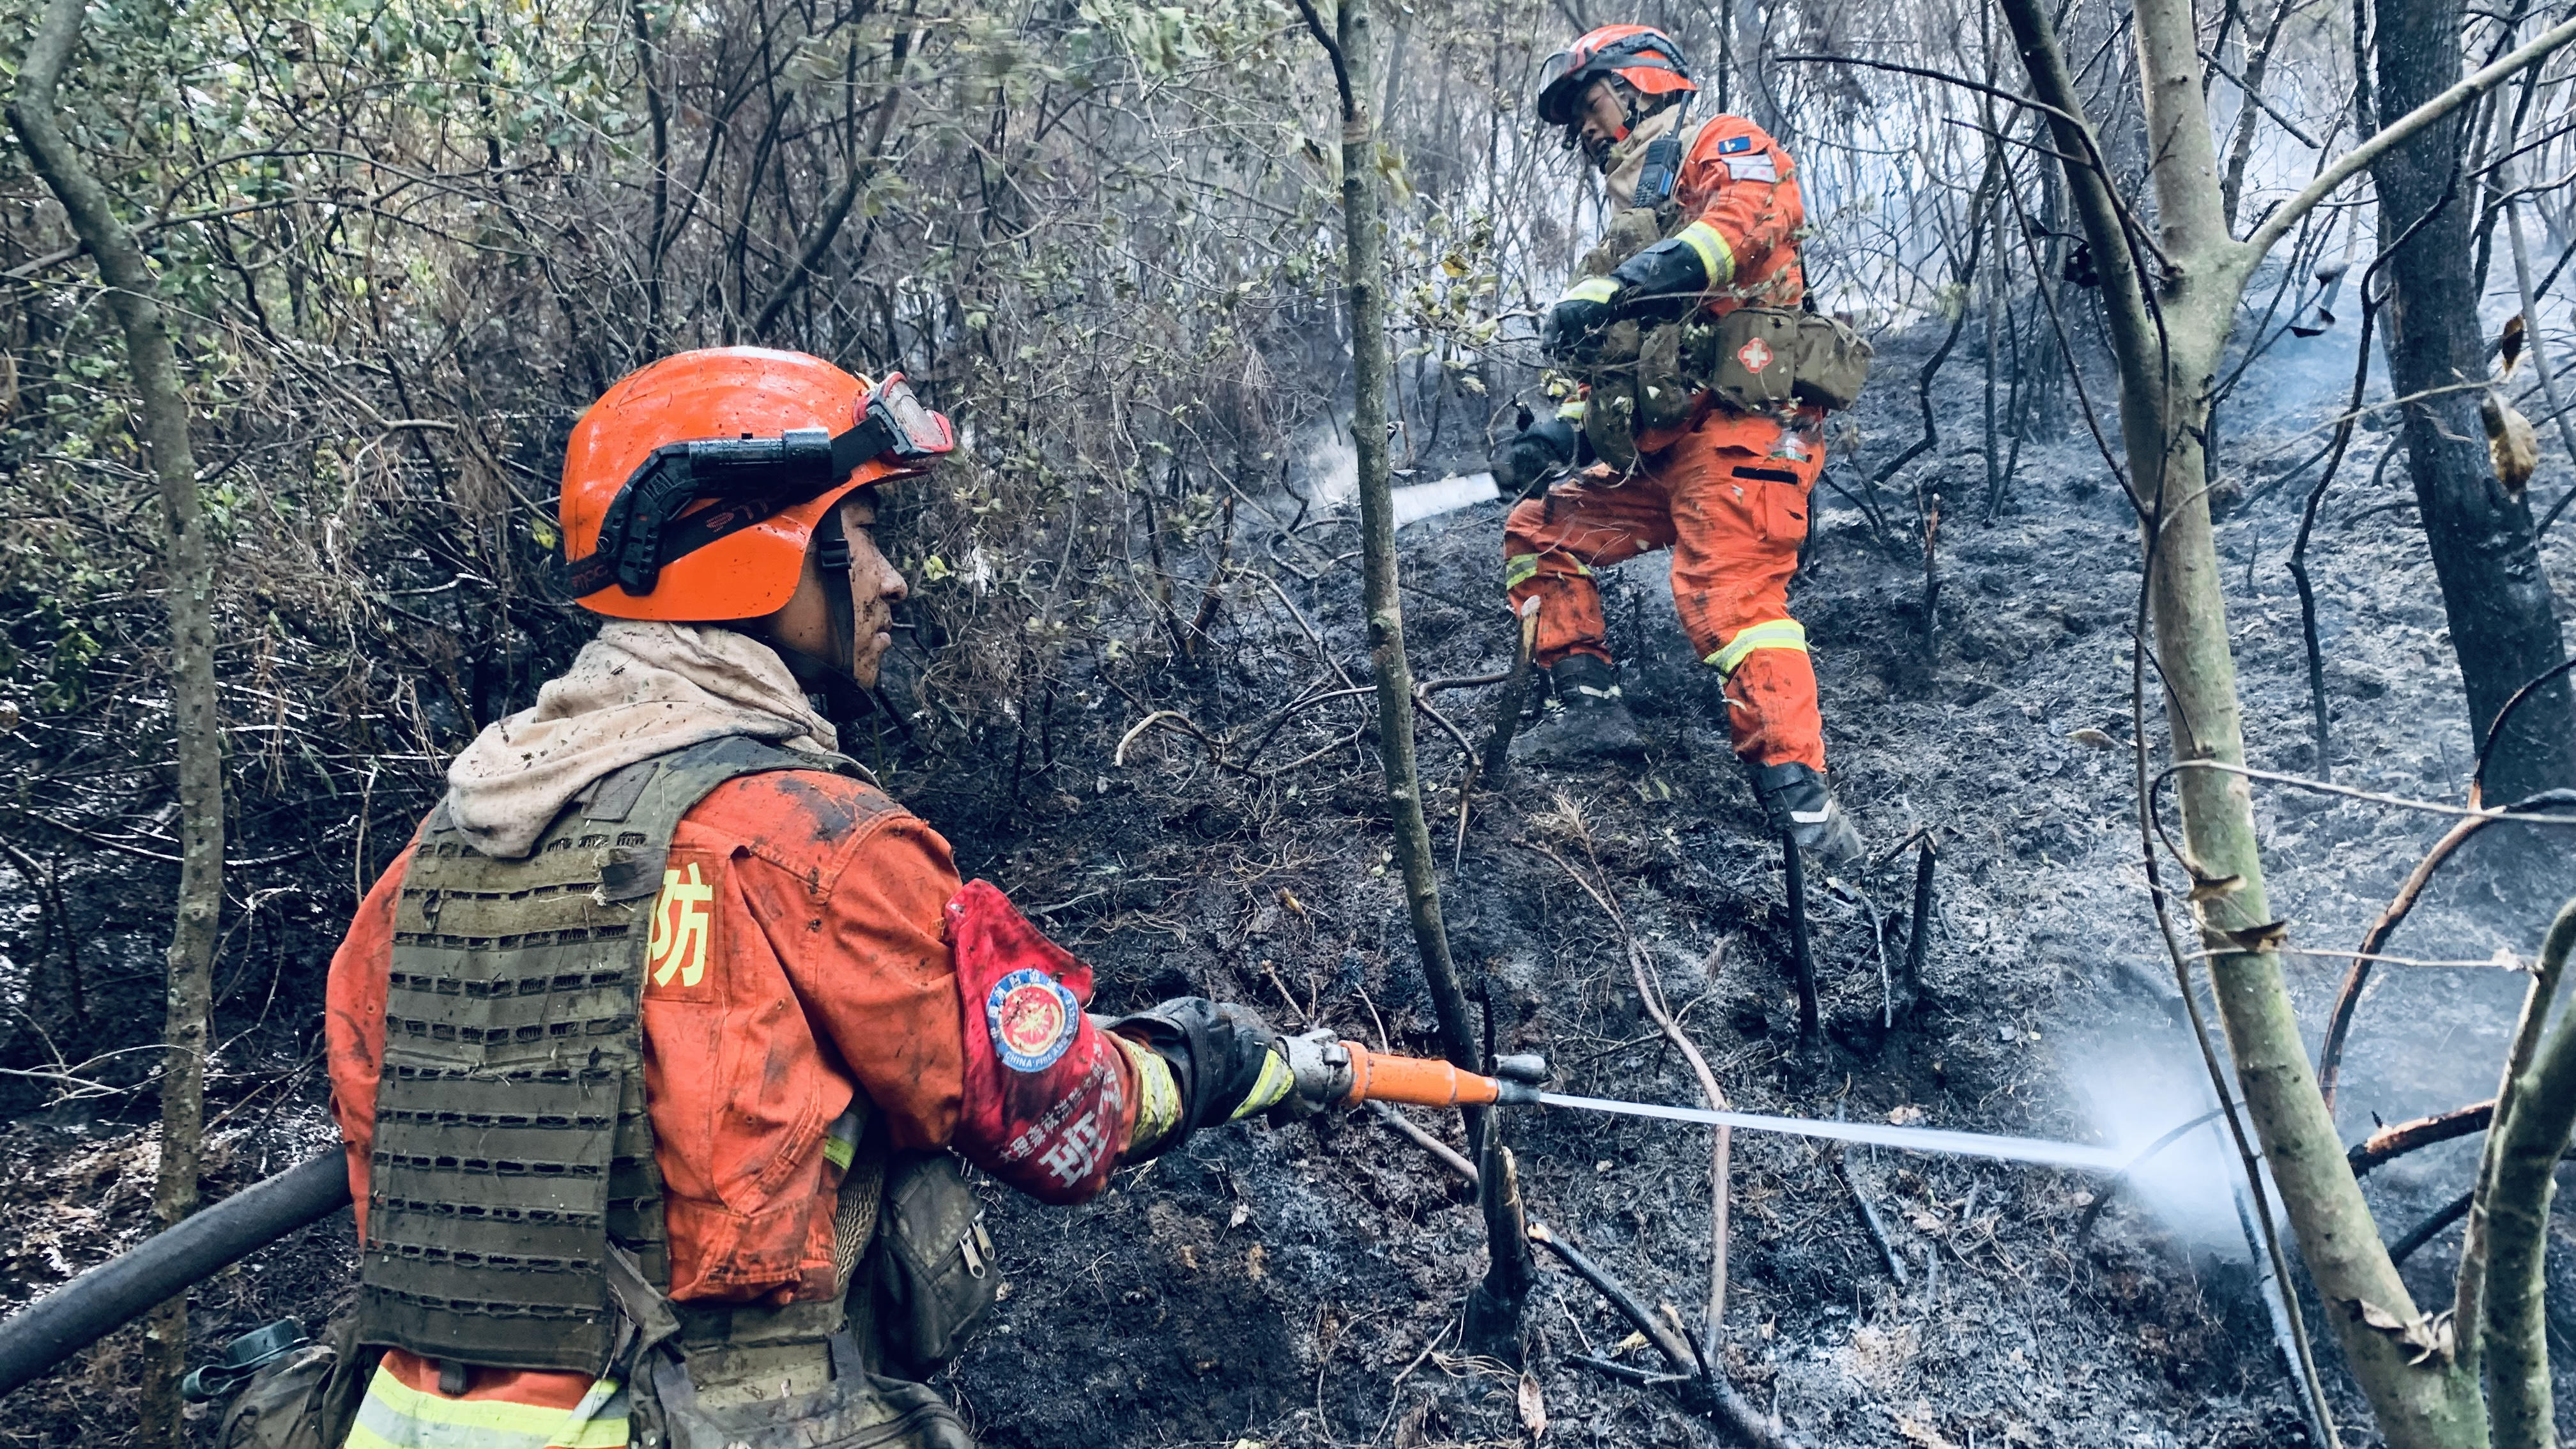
(1832, 362)
(305, 1400)
(1667, 393)
(935, 1275)
(1757, 358)
(856, 1410)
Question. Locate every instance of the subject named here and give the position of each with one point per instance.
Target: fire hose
(125, 1287)
(1329, 1073)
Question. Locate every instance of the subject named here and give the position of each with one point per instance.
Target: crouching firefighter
(1699, 384)
(651, 1050)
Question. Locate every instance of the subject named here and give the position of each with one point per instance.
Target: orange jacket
(1740, 190)
(827, 974)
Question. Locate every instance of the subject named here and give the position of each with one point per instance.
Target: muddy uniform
(800, 966)
(1726, 491)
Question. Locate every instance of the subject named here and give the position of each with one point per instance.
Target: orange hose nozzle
(1415, 1081)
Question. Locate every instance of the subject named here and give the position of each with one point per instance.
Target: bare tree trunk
(1494, 1311)
(2495, 588)
(2168, 341)
(2258, 63)
(2529, 301)
(648, 69)
(2519, 1183)
(188, 586)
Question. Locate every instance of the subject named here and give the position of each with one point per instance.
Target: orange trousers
(1729, 498)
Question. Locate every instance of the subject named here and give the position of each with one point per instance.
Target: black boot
(1803, 806)
(1585, 718)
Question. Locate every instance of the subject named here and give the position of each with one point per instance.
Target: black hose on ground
(71, 1318)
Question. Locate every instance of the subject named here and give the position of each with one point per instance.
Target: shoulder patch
(680, 955)
(1757, 167)
(1734, 144)
(1032, 1018)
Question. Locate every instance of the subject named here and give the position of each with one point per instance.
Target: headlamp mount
(651, 522)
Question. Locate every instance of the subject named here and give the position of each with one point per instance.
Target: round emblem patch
(1032, 1018)
(1755, 355)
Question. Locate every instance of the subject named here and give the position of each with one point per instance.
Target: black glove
(1576, 322)
(1224, 1058)
(1529, 458)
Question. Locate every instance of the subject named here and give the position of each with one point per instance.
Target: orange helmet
(692, 487)
(1644, 57)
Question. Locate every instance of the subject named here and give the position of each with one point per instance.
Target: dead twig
(1868, 1215)
(2347, 1000)
(1464, 681)
(2390, 1143)
(1636, 1376)
(1652, 997)
(1118, 757)
(1878, 945)
(2440, 1218)
(2425, 1231)
(1718, 1398)
(1413, 1132)
(1802, 955)
(1507, 710)
(2102, 1197)
(1921, 938)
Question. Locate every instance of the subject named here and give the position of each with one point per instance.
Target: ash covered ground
(1302, 1285)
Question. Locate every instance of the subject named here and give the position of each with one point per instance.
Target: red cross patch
(1755, 355)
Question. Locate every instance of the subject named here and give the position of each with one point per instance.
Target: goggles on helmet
(1570, 72)
(745, 480)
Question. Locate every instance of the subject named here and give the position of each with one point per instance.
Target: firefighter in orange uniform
(1725, 490)
(650, 1051)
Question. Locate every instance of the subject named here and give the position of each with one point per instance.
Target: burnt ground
(1302, 1285)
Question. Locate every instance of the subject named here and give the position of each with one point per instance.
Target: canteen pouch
(305, 1400)
(935, 1275)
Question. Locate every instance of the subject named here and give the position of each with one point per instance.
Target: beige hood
(638, 690)
(1628, 158)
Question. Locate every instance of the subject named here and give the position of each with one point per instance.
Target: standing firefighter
(650, 1049)
(1703, 382)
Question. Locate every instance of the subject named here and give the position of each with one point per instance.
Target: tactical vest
(512, 1147)
(1651, 374)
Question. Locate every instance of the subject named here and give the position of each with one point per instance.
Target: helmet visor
(1566, 78)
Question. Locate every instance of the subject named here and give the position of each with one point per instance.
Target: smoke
(2296, 381)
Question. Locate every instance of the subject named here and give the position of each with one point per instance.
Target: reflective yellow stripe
(1715, 256)
(1270, 1088)
(1520, 568)
(1158, 1097)
(1769, 634)
(398, 1416)
(1571, 410)
(1591, 289)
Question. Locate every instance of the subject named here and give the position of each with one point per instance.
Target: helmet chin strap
(845, 701)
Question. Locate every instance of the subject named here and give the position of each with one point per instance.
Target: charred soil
(1302, 1284)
